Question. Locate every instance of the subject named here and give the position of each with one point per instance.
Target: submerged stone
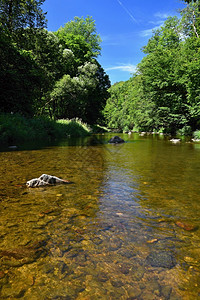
(23, 255)
(115, 244)
(127, 253)
(138, 273)
(117, 283)
(97, 240)
(166, 291)
(124, 268)
(134, 293)
(161, 259)
(186, 226)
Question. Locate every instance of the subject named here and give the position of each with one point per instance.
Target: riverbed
(127, 227)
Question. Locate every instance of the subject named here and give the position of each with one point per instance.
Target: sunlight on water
(126, 228)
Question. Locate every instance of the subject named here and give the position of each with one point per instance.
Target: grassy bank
(15, 128)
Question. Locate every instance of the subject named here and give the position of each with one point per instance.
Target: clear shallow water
(126, 228)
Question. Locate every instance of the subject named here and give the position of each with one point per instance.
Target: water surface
(126, 228)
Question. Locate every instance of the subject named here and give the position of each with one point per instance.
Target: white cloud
(161, 15)
(159, 21)
(148, 32)
(125, 68)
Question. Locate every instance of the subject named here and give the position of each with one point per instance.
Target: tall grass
(16, 128)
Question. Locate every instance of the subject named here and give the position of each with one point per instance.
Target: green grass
(16, 128)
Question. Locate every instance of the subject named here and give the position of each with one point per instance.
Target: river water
(127, 227)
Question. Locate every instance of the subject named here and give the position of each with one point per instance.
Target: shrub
(196, 134)
(186, 130)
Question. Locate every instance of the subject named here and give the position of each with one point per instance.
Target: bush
(186, 130)
(196, 134)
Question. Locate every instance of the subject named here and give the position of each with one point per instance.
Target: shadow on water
(127, 228)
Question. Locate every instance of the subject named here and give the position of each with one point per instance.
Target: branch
(193, 22)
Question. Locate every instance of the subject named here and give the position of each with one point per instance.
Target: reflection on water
(127, 228)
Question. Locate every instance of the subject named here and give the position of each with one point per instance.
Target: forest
(164, 94)
(56, 75)
(51, 74)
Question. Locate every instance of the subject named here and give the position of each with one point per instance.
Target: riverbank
(15, 128)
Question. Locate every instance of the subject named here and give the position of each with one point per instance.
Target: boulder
(116, 140)
(46, 179)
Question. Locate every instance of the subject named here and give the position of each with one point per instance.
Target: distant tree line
(164, 93)
(55, 74)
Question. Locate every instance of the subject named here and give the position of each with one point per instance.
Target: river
(127, 227)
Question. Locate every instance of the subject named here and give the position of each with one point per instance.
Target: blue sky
(125, 26)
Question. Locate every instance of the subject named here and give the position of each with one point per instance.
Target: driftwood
(45, 179)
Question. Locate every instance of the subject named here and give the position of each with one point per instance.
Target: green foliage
(82, 96)
(15, 128)
(164, 94)
(45, 73)
(85, 28)
(17, 14)
(186, 130)
(79, 47)
(20, 78)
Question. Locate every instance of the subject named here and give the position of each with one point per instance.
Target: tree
(85, 28)
(81, 96)
(82, 92)
(20, 78)
(17, 14)
(160, 71)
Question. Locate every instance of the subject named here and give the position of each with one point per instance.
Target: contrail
(127, 11)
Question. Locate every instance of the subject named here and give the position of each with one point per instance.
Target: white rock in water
(36, 182)
(175, 141)
(45, 179)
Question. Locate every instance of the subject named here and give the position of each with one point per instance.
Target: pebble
(152, 241)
